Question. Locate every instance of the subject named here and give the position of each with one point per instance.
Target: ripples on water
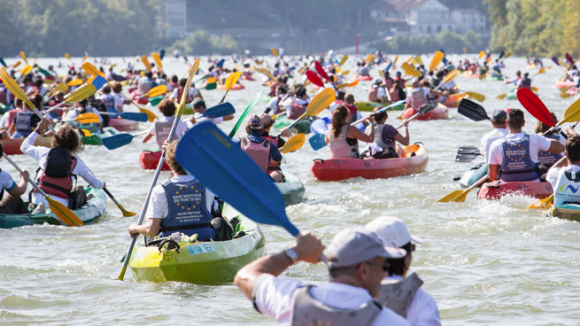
(484, 262)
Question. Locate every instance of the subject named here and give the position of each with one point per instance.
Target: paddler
(59, 167)
(516, 80)
(377, 92)
(296, 105)
(200, 108)
(267, 123)
(515, 157)
(262, 151)
(10, 201)
(525, 82)
(565, 174)
(343, 138)
(399, 292)
(386, 138)
(145, 83)
(120, 100)
(79, 108)
(274, 103)
(162, 126)
(496, 69)
(357, 263)
(26, 120)
(420, 95)
(192, 94)
(546, 159)
(182, 205)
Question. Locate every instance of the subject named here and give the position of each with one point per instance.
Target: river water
(484, 262)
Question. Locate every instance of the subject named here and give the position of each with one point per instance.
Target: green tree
(9, 41)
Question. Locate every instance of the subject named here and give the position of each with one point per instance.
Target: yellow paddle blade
(81, 93)
(24, 57)
(192, 71)
(66, 55)
(14, 88)
(275, 52)
(535, 89)
(382, 74)
(16, 64)
(419, 60)
(507, 55)
(458, 96)
(157, 91)
(476, 96)
(86, 133)
(91, 69)
(542, 203)
(465, 50)
(259, 62)
(157, 60)
(146, 62)
(26, 70)
(482, 76)
(564, 95)
(87, 118)
(563, 89)
(267, 73)
(150, 115)
(85, 58)
(414, 61)
(126, 213)
(488, 60)
(352, 84)
(572, 113)
(293, 144)
(410, 70)
(456, 196)
(232, 80)
(437, 58)
(344, 73)
(338, 70)
(370, 58)
(320, 102)
(343, 60)
(395, 61)
(63, 213)
(541, 71)
(306, 82)
(75, 82)
(501, 96)
(481, 54)
(62, 87)
(211, 80)
(450, 76)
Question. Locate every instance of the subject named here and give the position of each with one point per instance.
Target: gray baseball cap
(355, 245)
(499, 115)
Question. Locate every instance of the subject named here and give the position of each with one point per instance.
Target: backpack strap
(573, 176)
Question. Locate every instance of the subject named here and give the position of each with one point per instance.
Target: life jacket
(189, 98)
(548, 159)
(397, 295)
(273, 166)
(340, 147)
(352, 109)
(12, 116)
(23, 120)
(389, 83)
(527, 83)
(309, 311)
(109, 101)
(418, 97)
(273, 89)
(379, 138)
(187, 211)
(517, 164)
(259, 152)
(58, 173)
(567, 188)
(395, 95)
(372, 94)
(296, 110)
(162, 130)
(401, 82)
(144, 85)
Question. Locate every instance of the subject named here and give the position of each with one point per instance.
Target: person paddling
(515, 157)
(120, 100)
(378, 93)
(386, 138)
(10, 192)
(26, 120)
(343, 138)
(399, 292)
(565, 174)
(546, 159)
(162, 126)
(182, 205)
(357, 263)
(199, 107)
(59, 167)
(525, 82)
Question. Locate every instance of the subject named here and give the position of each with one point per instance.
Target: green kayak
(370, 106)
(492, 78)
(292, 189)
(89, 213)
(511, 96)
(201, 262)
(303, 127)
(97, 139)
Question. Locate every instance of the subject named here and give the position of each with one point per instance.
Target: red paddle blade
(535, 106)
(569, 58)
(321, 71)
(311, 75)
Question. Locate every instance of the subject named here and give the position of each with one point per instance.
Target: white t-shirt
(448, 85)
(180, 130)
(4, 121)
(158, 207)
(40, 154)
(489, 138)
(199, 118)
(381, 92)
(119, 102)
(6, 181)
(192, 91)
(273, 104)
(537, 142)
(554, 174)
(274, 297)
(286, 104)
(426, 92)
(423, 308)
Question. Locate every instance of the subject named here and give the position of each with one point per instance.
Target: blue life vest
(548, 159)
(517, 164)
(109, 101)
(187, 212)
(23, 122)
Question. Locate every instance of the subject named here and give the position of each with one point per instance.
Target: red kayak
(149, 160)
(136, 97)
(12, 146)
(566, 83)
(364, 78)
(495, 190)
(124, 125)
(450, 103)
(248, 76)
(435, 114)
(236, 87)
(370, 168)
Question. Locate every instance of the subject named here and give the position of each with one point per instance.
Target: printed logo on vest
(566, 187)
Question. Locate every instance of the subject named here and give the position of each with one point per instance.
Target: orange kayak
(12, 146)
(149, 160)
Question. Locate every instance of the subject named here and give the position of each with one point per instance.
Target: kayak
(495, 190)
(303, 127)
(511, 95)
(236, 87)
(292, 188)
(531, 66)
(370, 106)
(97, 139)
(469, 74)
(124, 125)
(89, 213)
(139, 100)
(248, 76)
(12, 146)
(473, 175)
(364, 78)
(415, 161)
(149, 160)
(565, 83)
(450, 102)
(492, 78)
(568, 212)
(201, 262)
(435, 114)
(320, 126)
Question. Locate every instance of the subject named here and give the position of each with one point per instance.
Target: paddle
(410, 70)
(220, 110)
(3, 62)
(555, 59)
(458, 96)
(67, 56)
(317, 141)
(85, 118)
(230, 82)
(467, 154)
(472, 110)
(75, 82)
(134, 116)
(275, 52)
(535, 106)
(386, 108)
(121, 139)
(352, 84)
(246, 111)
(91, 69)
(157, 60)
(320, 102)
(460, 195)
(565, 95)
(343, 60)
(568, 57)
(481, 54)
(294, 143)
(449, 77)
(156, 91)
(27, 69)
(476, 96)
(314, 79)
(178, 114)
(145, 62)
(422, 110)
(437, 58)
(26, 60)
(16, 64)
(541, 71)
(323, 74)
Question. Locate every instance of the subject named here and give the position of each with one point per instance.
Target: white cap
(378, 81)
(392, 231)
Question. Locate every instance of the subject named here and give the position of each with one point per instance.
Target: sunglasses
(384, 265)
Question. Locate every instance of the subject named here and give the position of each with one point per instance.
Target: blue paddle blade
(112, 110)
(99, 82)
(117, 141)
(135, 116)
(220, 110)
(162, 54)
(2, 62)
(317, 141)
(444, 57)
(389, 66)
(209, 155)
(220, 63)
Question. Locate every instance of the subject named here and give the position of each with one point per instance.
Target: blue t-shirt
(255, 137)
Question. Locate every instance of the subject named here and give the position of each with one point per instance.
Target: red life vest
(372, 94)
(273, 165)
(58, 172)
(189, 98)
(352, 109)
(259, 152)
(296, 110)
(11, 116)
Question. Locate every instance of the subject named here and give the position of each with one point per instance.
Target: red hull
(236, 87)
(435, 114)
(149, 161)
(143, 100)
(12, 146)
(562, 84)
(494, 190)
(124, 125)
(345, 168)
(364, 78)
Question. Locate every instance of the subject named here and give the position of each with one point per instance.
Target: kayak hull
(136, 97)
(302, 127)
(292, 190)
(567, 83)
(450, 103)
(495, 190)
(370, 106)
(12, 146)
(492, 78)
(201, 262)
(97, 139)
(124, 125)
(89, 213)
(511, 96)
(236, 87)
(149, 160)
(370, 168)
(568, 212)
(435, 114)
(469, 74)
(364, 78)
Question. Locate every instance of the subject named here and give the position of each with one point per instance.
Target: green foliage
(201, 42)
(449, 41)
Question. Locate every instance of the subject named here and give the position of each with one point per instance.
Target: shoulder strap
(244, 140)
(166, 183)
(573, 176)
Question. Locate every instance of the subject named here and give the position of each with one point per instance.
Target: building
(175, 18)
(466, 19)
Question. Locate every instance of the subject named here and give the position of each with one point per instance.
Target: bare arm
(229, 117)
(150, 229)
(147, 138)
(327, 137)
(368, 136)
(556, 146)
(404, 137)
(493, 172)
(20, 188)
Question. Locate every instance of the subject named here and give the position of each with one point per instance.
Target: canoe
(201, 262)
(89, 213)
(370, 168)
(568, 212)
(97, 139)
(370, 106)
(12, 146)
(511, 96)
(124, 125)
(139, 100)
(435, 114)
(565, 83)
(495, 190)
(364, 78)
(469, 74)
(292, 189)
(149, 160)
(236, 87)
(303, 127)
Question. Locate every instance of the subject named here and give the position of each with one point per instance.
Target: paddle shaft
(29, 180)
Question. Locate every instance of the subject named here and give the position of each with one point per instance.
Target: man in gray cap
(199, 108)
(400, 292)
(357, 261)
